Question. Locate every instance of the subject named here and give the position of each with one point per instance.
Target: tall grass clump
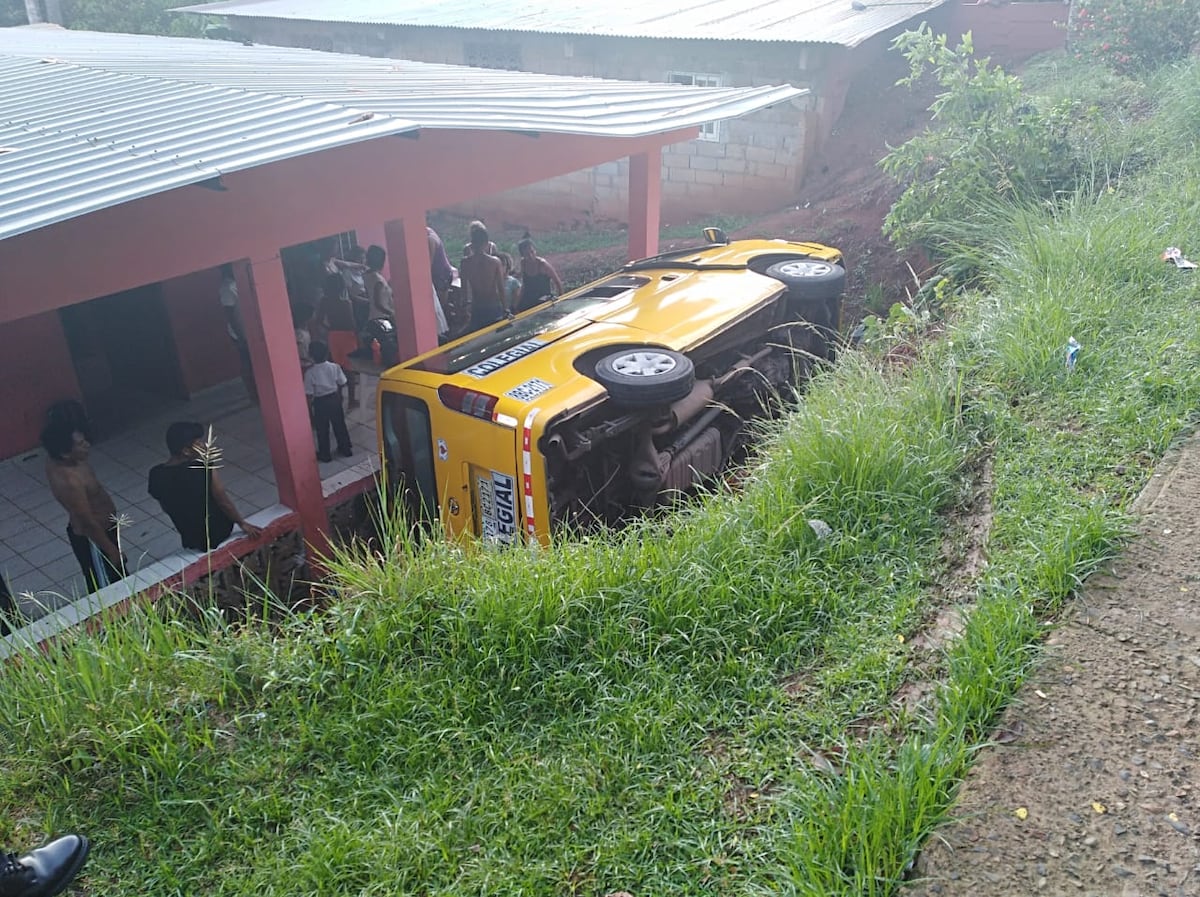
(1069, 448)
(1176, 131)
(873, 442)
(857, 832)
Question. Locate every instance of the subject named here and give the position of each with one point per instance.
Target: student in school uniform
(323, 384)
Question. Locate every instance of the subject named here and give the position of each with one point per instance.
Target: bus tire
(810, 279)
(641, 377)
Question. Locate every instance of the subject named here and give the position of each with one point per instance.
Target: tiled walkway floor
(34, 553)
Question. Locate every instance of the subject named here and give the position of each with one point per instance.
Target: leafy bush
(991, 142)
(1131, 36)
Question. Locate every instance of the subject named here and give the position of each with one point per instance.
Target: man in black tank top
(189, 490)
(539, 280)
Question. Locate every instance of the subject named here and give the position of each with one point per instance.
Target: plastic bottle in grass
(1073, 348)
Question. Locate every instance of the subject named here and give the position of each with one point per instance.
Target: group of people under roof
(338, 298)
(495, 286)
(341, 306)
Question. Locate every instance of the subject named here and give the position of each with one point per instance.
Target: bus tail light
(468, 401)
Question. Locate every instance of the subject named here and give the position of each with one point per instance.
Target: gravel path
(1092, 786)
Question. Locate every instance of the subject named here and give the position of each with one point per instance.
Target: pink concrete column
(271, 337)
(408, 254)
(645, 194)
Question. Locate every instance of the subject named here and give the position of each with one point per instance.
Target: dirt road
(1092, 787)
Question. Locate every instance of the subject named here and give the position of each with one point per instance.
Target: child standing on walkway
(323, 384)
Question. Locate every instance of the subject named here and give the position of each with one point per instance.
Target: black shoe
(45, 871)
(324, 459)
(346, 452)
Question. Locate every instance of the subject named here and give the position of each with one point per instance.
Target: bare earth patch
(1091, 786)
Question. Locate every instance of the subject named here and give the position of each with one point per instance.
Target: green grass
(703, 704)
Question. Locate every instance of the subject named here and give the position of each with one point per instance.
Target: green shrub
(990, 142)
(1176, 122)
(1132, 36)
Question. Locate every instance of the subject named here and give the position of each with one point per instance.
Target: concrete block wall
(761, 160)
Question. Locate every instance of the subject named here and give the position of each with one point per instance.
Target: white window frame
(710, 130)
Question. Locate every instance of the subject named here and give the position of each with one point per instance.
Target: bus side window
(408, 453)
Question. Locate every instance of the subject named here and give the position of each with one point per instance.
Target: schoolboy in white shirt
(323, 384)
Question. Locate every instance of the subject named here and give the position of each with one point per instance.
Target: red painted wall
(206, 354)
(1010, 33)
(35, 370)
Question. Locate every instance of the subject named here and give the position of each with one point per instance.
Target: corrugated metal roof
(794, 21)
(74, 140)
(91, 120)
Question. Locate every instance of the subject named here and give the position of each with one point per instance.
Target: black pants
(6, 606)
(97, 569)
(327, 410)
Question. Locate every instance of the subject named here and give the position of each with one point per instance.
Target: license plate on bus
(497, 496)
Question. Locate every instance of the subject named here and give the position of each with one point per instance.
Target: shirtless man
(91, 528)
(483, 276)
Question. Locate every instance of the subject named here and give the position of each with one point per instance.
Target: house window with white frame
(710, 130)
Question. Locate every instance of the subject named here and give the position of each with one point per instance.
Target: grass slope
(699, 705)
